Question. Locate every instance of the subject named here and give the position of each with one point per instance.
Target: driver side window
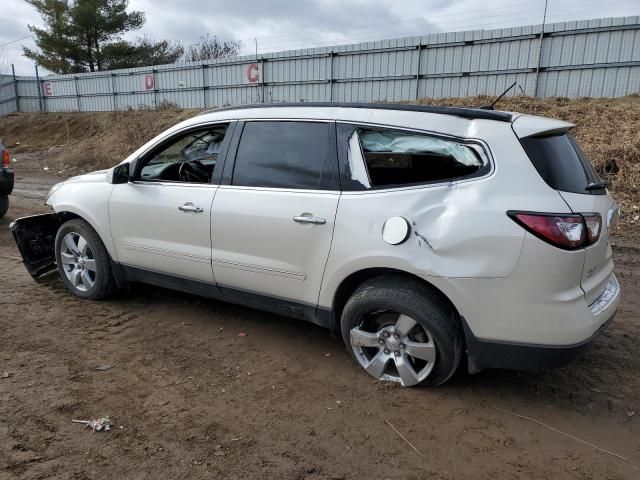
(191, 157)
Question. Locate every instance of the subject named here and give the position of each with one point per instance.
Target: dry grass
(607, 129)
(87, 141)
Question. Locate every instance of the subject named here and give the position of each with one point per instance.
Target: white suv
(424, 234)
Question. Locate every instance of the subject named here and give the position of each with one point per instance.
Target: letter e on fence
(149, 82)
(47, 89)
(253, 73)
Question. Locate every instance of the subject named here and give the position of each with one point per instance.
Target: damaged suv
(425, 235)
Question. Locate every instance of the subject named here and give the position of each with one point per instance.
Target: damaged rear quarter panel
(459, 229)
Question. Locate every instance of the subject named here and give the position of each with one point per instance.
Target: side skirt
(288, 308)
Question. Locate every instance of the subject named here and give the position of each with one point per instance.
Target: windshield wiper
(596, 185)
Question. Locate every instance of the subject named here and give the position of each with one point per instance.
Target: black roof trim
(471, 113)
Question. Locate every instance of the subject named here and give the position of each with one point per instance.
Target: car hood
(99, 176)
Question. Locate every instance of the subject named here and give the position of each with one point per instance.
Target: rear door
(563, 165)
(272, 222)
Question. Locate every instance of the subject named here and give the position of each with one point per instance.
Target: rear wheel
(399, 330)
(83, 261)
(4, 205)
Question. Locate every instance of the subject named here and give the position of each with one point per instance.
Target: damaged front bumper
(36, 238)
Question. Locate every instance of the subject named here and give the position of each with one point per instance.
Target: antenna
(490, 107)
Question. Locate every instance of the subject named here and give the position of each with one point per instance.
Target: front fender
(89, 201)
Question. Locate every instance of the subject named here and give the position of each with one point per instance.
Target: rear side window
(295, 155)
(561, 163)
(385, 158)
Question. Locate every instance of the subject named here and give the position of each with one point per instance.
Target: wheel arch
(350, 283)
(65, 213)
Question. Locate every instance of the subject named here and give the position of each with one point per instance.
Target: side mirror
(120, 174)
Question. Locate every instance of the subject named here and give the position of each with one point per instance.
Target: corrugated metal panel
(597, 58)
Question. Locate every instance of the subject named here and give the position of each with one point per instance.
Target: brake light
(6, 161)
(594, 226)
(568, 232)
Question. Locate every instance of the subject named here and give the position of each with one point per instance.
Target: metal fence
(590, 58)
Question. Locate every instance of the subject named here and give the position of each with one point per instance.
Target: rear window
(285, 155)
(382, 158)
(561, 163)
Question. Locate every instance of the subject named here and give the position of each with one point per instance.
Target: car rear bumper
(6, 181)
(483, 354)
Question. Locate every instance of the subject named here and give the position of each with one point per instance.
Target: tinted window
(381, 158)
(561, 163)
(285, 155)
(190, 157)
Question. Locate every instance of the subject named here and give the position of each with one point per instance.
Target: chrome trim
(608, 295)
(280, 189)
(190, 207)
(148, 183)
(167, 253)
(308, 219)
(256, 269)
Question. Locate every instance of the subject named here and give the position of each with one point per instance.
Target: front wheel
(83, 261)
(399, 330)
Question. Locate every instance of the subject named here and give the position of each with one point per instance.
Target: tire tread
(104, 288)
(417, 297)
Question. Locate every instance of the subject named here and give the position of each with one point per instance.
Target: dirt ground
(192, 398)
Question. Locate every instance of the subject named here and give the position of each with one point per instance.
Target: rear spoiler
(533, 126)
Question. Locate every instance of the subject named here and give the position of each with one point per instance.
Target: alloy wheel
(78, 262)
(394, 347)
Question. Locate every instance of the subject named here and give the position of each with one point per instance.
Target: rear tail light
(6, 161)
(568, 232)
(594, 226)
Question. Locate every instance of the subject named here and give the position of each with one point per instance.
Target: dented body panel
(459, 229)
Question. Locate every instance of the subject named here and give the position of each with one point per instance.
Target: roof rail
(471, 113)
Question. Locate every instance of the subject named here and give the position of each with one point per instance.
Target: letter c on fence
(253, 73)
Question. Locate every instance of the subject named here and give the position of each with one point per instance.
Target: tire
(391, 323)
(4, 206)
(83, 261)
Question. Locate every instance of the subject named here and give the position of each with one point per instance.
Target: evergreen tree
(57, 47)
(85, 35)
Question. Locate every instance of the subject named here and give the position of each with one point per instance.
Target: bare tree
(210, 48)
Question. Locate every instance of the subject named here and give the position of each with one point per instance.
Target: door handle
(309, 219)
(190, 207)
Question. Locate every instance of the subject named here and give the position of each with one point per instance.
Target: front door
(272, 226)
(161, 221)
